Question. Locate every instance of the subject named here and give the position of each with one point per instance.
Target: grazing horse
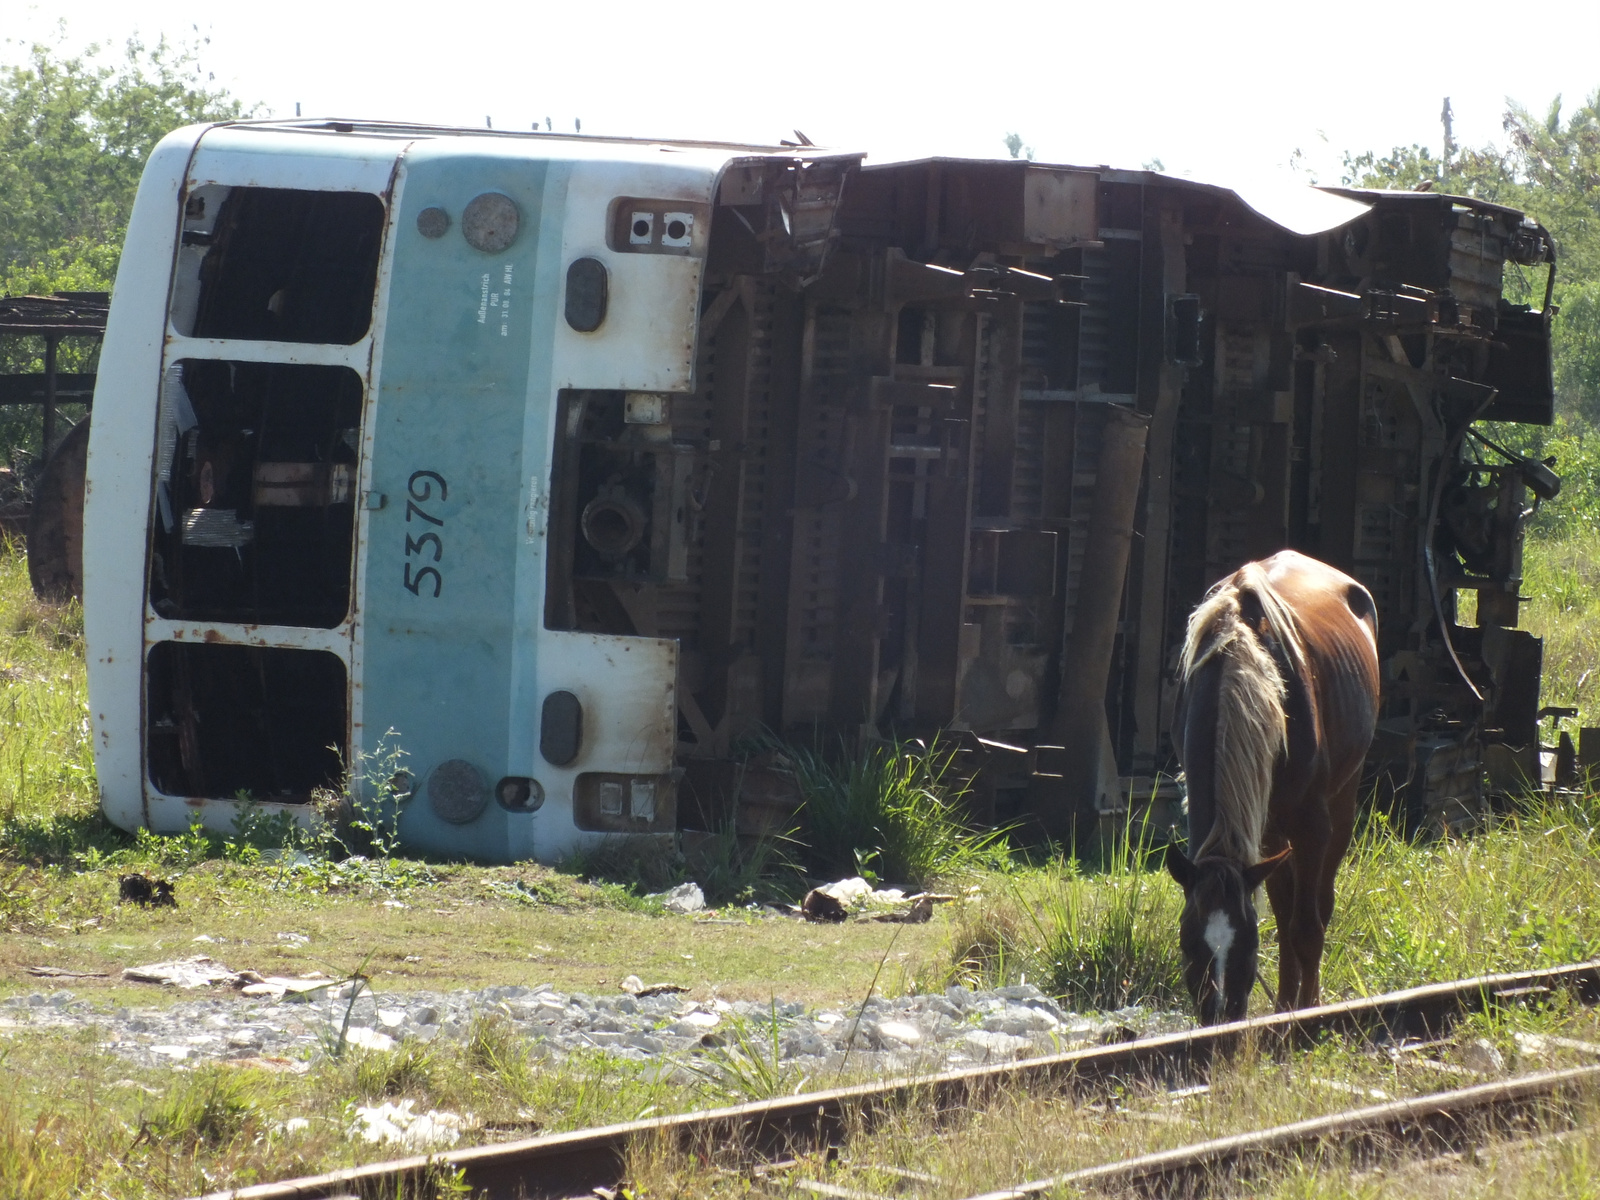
(1276, 709)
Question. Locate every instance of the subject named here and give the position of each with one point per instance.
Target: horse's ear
(1254, 876)
(1179, 866)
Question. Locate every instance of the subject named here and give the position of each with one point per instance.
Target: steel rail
(1441, 1121)
(565, 1164)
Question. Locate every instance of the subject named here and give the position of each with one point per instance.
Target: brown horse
(1277, 706)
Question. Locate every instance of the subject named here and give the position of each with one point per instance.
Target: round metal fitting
(457, 791)
(613, 523)
(433, 222)
(490, 221)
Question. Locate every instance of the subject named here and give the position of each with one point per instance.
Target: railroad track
(1438, 1123)
(575, 1164)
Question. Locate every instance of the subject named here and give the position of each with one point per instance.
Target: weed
(209, 1106)
(637, 865)
(409, 1068)
(890, 812)
(334, 1044)
(1111, 939)
(991, 943)
(732, 868)
(492, 1045)
(747, 1063)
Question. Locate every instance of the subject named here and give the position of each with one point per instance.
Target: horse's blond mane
(1252, 727)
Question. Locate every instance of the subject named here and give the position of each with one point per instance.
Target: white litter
(685, 898)
(903, 1032)
(196, 972)
(394, 1124)
(857, 893)
(367, 1038)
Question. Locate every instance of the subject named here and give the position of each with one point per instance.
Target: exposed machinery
(564, 464)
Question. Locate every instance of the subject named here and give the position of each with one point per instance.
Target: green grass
(891, 813)
(48, 801)
(1521, 895)
(74, 1120)
(1561, 576)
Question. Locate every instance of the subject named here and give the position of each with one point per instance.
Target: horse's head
(1217, 932)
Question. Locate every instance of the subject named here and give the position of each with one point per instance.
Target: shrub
(891, 812)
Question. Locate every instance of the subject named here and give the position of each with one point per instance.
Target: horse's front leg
(1341, 825)
(1280, 893)
(1307, 925)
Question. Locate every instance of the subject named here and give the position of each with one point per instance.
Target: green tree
(74, 136)
(75, 132)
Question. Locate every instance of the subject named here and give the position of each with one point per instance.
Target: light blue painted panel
(448, 456)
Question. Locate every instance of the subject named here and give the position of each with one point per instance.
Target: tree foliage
(75, 132)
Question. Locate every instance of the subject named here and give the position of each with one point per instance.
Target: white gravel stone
(956, 1027)
(902, 1032)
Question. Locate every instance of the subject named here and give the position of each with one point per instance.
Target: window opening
(256, 471)
(274, 264)
(230, 721)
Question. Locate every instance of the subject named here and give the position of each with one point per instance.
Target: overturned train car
(526, 476)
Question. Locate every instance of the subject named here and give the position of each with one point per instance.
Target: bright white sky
(1225, 90)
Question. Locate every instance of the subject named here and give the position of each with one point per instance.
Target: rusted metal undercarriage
(968, 458)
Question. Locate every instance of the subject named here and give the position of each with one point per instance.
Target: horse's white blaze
(1219, 936)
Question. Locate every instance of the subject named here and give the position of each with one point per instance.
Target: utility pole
(1449, 145)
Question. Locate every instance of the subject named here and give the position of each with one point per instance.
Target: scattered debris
(59, 973)
(394, 1124)
(1540, 1044)
(920, 912)
(252, 983)
(147, 892)
(196, 972)
(837, 900)
(635, 986)
(1481, 1056)
(819, 905)
(685, 898)
(201, 971)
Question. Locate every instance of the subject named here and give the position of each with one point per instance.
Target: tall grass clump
(48, 795)
(890, 812)
(1561, 578)
(1110, 939)
(1521, 895)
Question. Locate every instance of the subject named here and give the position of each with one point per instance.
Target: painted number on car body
(421, 489)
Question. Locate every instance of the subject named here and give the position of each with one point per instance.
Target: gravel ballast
(957, 1027)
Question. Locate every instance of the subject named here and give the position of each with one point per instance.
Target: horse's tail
(1252, 726)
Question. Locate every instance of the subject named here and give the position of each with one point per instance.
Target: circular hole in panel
(676, 230)
(519, 794)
